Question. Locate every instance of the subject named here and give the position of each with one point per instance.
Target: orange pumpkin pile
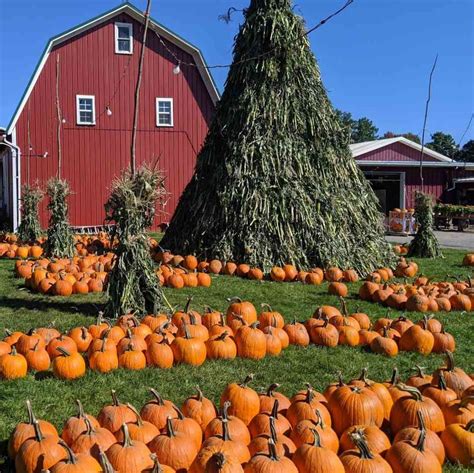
(423, 295)
(364, 426)
(400, 249)
(468, 259)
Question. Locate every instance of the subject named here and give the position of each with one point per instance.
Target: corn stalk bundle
(60, 243)
(424, 244)
(275, 181)
(133, 284)
(30, 228)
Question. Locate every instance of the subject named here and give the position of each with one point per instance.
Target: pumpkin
(159, 354)
(13, 365)
(260, 423)
(354, 405)
(224, 440)
(375, 438)
(305, 407)
(26, 430)
(112, 416)
(215, 266)
(237, 428)
(64, 342)
(284, 446)
(297, 334)
(348, 335)
(443, 342)
(401, 324)
(76, 425)
(419, 380)
(242, 270)
(244, 309)
(38, 358)
(132, 358)
(158, 410)
(411, 457)
(269, 317)
(39, 452)
(199, 408)
(363, 459)
(404, 412)
(70, 365)
(104, 359)
(270, 396)
(325, 335)
(383, 345)
(338, 289)
(417, 339)
(174, 448)
(189, 350)
(316, 458)
(270, 462)
(216, 460)
(221, 347)
(28, 341)
(230, 268)
(251, 342)
(81, 337)
(140, 430)
(129, 456)
(459, 411)
(302, 433)
(432, 441)
(244, 401)
(458, 441)
(76, 463)
(440, 393)
(456, 378)
(277, 274)
(94, 440)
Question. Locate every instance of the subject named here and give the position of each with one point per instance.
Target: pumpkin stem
(188, 304)
(470, 426)
(309, 394)
(14, 352)
(421, 420)
(218, 460)
(225, 408)
(363, 375)
(420, 371)
(156, 464)
(274, 412)
(442, 382)
(449, 361)
(317, 438)
(465, 401)
(272, 450)
(360, 442)
(267, 306)
(345, 313)
(127, 441)
(38, 434)
(83, 333)
(340, 380)
(223, 335)
(255, 324)
(71, 457)
(137, 414)
(63, 351)
(247, 380)
(395, 379)
(80, 409)
(200, 395)
(89, 428)
(415, 393)
(169, 427)
(272, 388)
(179, 412)
(157, 396)
(31, 415)
(104, 342)
(320, 421)
(273, 432)
(104, 462)
(225, 430)
(187, 335)
(234, 299)
(192, 319)
(420, 444)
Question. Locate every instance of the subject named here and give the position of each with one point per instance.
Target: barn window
(85, 109)
(123, 38)
(164, 112)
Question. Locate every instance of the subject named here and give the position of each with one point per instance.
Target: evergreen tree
(466, 153)
(364, 130)
(443, 143)
(275, 181)
(30, 228)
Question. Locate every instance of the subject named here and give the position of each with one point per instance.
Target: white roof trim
(137, 15)
(426, 164)
(359, 149)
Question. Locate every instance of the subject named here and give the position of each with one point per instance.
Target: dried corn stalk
(60, 243)
(424, 244)
(275, 181)
(133, 284)
(30, 228)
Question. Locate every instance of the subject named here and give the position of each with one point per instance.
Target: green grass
(54, 399)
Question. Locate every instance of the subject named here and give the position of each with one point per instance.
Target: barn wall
(394, 152)
(93, 156)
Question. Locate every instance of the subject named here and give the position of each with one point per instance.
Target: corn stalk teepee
(275, 181)
(424, 244)
(30, 228)
(133, 285)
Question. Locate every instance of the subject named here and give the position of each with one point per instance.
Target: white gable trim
(137, 15)
(359, 149)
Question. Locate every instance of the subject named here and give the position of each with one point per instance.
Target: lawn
(53, 399)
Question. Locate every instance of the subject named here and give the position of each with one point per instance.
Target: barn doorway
(389, 187)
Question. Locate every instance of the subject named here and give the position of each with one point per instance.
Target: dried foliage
(133, 285)
(424, 244)
(60, 243)
(30, 228)
(275, 181)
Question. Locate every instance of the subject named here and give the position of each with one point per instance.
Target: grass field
(53, 399)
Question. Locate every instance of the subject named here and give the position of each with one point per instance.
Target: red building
(392, 166)
(95, 65)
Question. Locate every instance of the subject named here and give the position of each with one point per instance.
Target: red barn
(392, 166)
(95, 66)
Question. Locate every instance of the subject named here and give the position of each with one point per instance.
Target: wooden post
(58, 112)
(133, 161)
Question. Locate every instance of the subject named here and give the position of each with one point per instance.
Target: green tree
(275, 181)
(364, 130)
(466, 153)
(443, 143)
(409, 136)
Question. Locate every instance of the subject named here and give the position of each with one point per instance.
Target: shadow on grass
(72, 307)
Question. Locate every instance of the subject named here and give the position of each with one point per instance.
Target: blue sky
(375, 57)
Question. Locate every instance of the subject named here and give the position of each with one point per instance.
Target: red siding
(394, 152)
(93, 156)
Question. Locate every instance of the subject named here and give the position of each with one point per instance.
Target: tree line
(364, 129)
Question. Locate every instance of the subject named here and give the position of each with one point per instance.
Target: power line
(466, 130)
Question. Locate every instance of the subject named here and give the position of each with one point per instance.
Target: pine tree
(275, 181)
(133, 285)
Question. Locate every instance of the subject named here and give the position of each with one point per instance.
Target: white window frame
(78, 114)
(130, 35)
(170, 101)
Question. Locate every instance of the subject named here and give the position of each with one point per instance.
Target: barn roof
(358, 149)
(135, 13)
